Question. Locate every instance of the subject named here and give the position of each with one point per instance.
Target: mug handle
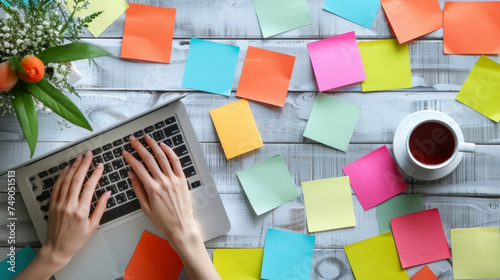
(466, 147)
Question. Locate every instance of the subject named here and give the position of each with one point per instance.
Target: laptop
(107, 253)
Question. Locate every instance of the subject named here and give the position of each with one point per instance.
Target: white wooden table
(469, 197)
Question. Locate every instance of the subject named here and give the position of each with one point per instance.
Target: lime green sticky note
(375, 258)
(387, 65)
(475, 253)
(332, 121)
(268, 184)
(328, 204)
(397, 206)
(481, 90)
(111, 10)
(239, 264)
(278, 16)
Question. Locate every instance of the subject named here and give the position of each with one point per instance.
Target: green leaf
(58, 102)
(70, 52)
(26, 114)
(15, 62)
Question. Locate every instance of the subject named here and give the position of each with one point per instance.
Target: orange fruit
(8, 76)
(35, 68)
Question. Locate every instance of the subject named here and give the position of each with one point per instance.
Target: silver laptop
(107, 253)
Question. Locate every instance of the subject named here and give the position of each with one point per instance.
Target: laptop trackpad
(123, 239)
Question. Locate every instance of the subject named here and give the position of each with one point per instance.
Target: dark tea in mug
(432, 143)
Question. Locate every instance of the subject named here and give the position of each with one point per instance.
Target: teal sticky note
(332, 121)
(397, 206)
(22, 258)
(268, 184)
(210, 66)
(287, 255)
(278, 16)
(361, 12)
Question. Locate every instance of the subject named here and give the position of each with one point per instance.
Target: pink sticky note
(420, 238)
(336, 61)
(375, 178)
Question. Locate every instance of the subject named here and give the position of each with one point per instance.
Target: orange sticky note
(153, 259)
(265, 76)
(236, 127)
(148, 33)
(424, 274)
(471, 27)
(411, 19)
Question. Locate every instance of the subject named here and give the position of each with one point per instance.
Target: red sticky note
(148, 33)
(471, 27)
(420, 238)
(153, 259)
(424, 274)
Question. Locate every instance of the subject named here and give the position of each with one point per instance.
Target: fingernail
(162, 144)
(79, 158)
(66, 168)
(131, 138)
(99, 166)
(88, 154)
(108, 194)
(125, 152)
(131, 175)
(147, 136)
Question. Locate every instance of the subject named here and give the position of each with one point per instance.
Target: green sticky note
(375, 258)
(481, 90)
(22, 258)
(387, 65)
(239, 264)
(397, 206)
(268, 184)
(332, 121)
(475, 253)
(111, 10)
(278, 16)
(328, 204)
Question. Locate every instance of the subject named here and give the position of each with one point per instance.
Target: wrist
(187, 239)
(53, 261)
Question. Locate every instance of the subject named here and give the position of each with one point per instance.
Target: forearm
(42, 267)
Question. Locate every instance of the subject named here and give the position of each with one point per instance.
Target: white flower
(6, 44)
(19, 42)
(14, 52)
(5, 29)
(38, 33)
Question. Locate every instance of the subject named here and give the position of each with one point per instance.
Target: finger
(96, 216)
(138, 168)
(79, 177)
(140, 192)
(160, 155)
(174, 159)
(57, 187)
(90, 185)
(146, 157)
(66, 183)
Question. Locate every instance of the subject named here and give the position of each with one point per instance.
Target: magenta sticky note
(375, 178)
(420, 238)
(336, 61)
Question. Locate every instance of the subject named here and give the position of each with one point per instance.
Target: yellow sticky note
(236, 128)
(328, 204)
(375, 258)
(239, 264)
(111, 10)
(476, 253)
(387, 65)
(481, 90)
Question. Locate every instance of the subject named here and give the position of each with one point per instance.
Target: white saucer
(399, 146)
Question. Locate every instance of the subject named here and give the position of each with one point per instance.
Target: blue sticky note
(210, 66)
(22, 258)
(361, 12)
(287, 255)
(7, 4)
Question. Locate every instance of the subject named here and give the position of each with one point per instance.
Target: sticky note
(268, 184)
(153, 259)
(287, 255)
(278, 16)
(148, 33)
(420, 238)
(239, 264)
(387, 65)
(424, 274)
(375, 178)
(397, 206)
(236, 127)
(463, 33)
(210, 66)
(23, 258)
(375, 258)
(266, 76)
(476, 253)
(111, 11)
(410, 19)
(328, 204)
(332, 121)
(481, 89)
(336, 61)
(361, 12)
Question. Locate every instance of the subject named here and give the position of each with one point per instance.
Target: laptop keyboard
(115, 178)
